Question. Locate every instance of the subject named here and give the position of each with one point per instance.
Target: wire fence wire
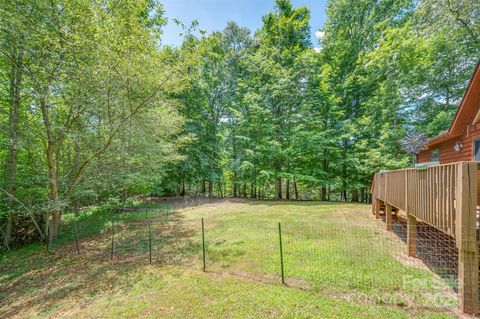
(352, 258)
(243, 246)
(146, 234)
(344, 257)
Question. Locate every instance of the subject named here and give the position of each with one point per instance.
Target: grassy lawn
(339, 263)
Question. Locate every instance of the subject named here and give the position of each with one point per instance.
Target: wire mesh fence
(243, 246)
(342, 256)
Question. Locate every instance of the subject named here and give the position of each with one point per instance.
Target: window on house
(476, 150)
(435, 155)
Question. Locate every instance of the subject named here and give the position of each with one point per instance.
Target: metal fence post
(48, 232)
(281, 252)
(150, 240)
(76, 236)
(113, 238)
(203, 245)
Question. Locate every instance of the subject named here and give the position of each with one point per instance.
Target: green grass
(339, 263)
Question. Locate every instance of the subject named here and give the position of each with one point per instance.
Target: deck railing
(428, 194)
(444, 196)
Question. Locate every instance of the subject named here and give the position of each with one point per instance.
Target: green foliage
(87, 107)
(268, 110)
(93, 106)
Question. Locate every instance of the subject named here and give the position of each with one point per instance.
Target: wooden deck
(445, 197)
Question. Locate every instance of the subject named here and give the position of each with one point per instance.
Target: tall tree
(284, 36)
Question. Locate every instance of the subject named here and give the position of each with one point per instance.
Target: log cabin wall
(447, 151)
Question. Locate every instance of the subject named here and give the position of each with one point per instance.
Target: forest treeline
(94, 106)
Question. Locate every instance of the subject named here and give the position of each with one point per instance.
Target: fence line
(328, 255)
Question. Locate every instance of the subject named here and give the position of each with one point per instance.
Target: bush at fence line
(99, 219)
(114, 204)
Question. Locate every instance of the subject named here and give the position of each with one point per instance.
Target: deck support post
(468, 281)
(411, 235)
(388, 216)
(377, 208)
(466, 238)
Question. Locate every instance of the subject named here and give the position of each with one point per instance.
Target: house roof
(468, 112)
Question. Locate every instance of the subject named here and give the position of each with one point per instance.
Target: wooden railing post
(406, 191)
(373, 190)
(388, 216)
(377, 208)
(411, 235)
(385, 192)
(466, 238)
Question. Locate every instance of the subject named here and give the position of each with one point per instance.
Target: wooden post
(406, 192)
(377, 208)
(466, 239)
(411, 235)
(388, 216)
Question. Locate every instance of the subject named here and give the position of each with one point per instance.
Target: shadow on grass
(34, 279)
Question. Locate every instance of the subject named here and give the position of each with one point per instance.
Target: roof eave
(455, 128)
(439, 139)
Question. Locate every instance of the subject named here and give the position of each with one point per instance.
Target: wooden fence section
(444, 196)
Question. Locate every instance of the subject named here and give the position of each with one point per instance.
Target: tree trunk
(287, 189)
(210, 188)
(182, 192)
(14, 117)
(254, 185)
(235, 184)
(344, 176)
(323, 193)
(355, 195)
(245, 190)
(295, 189)
(55, 219)
(9, 230)
(220, 189)
(323, 196)
(278, 188)
(203, 189)
(52, 173)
